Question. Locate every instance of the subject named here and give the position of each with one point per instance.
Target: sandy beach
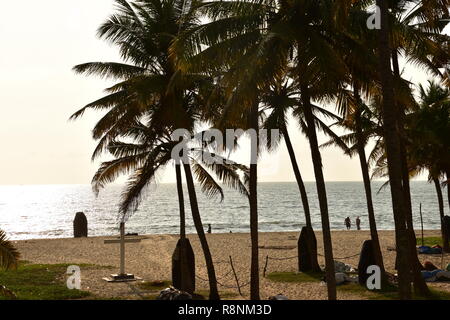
(151, 260)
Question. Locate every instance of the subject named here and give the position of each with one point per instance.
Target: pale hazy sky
(40, 42)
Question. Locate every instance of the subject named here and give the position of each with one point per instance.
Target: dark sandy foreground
(151, 260)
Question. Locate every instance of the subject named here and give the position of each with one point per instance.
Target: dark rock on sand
(366, 259)
(173, 294)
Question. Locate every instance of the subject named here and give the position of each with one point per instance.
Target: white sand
(151, 260)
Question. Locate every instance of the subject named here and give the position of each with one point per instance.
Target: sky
(40, 43)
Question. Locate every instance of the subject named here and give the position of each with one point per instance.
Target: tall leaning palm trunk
(183, 259)
(321, 191)
(419, 282)
(393, 150)
(298, 177)
(420, 286)
(181, 201)
(367, 185)
(214, 293)
(312, 242)
(370, 209)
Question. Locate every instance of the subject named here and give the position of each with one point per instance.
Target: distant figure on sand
(348, 223)
(209, 228)
(358, 223)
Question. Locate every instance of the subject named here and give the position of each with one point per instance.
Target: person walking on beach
(358, 223)
(209, 229)
(348, 223)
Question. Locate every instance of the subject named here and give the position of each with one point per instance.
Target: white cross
(122, 275)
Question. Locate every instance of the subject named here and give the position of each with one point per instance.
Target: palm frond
(227, 171)
(107, 70)
(140, 180)
(209, 186)
(9, 255)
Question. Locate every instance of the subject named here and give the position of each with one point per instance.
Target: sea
(47, 211)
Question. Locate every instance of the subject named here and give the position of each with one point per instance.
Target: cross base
(126, 277)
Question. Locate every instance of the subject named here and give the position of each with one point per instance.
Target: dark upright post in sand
(421, 223)
(307, 251)
(80, 228)
(183, 266)
(366, 259)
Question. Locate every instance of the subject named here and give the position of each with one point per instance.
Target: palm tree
(428, 127)
(148, 155)
(426, 143)
(417, 26)
(363, 125)
(223, 60)
(184, 275)
(9, 259)
(319, 72)
(278, 100)
(150, 88)
(359, 53)
(393, 150)
(256, 40)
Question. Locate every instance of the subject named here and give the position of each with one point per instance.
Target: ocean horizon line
(46, 211)
(173, 183)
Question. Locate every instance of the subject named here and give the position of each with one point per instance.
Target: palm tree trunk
(392, 141)
(448, 186)
(213, 291)
(181, 201)
(253, 199)
(298, 177)
(183, 259)
(370, 210)
(371, 213)
(311, 238)
(321, 191)
(440, 196)
(367, 185)
(420, 287)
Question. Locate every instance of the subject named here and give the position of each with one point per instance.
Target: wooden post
(265, 266)
(122, 248)
(235, 276)
(421, 222)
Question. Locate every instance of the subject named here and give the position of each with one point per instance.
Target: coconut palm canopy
(255, 64)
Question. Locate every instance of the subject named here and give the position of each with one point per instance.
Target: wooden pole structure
(235, 276)
(122, 248)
